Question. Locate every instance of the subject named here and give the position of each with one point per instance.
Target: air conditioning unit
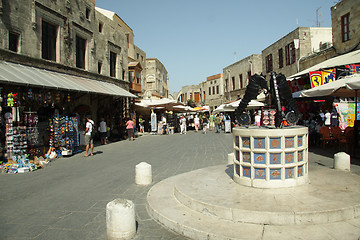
(325, 45)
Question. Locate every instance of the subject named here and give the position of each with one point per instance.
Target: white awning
(345, 59)
(36, 77)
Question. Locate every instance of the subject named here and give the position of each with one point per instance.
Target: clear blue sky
(195, 39)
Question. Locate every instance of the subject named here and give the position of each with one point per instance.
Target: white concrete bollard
(342, 161)
(120, 219)
(231, 158)
(143, 174)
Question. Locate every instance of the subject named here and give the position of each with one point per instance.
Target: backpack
(92, 130)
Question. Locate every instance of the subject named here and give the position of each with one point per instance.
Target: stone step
(331, 197)
(164, 207)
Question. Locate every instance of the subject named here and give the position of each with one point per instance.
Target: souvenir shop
(36, 119)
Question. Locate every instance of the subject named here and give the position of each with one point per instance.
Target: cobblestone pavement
(67, 199)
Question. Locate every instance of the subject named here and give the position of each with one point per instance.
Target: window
(209, 91)
(217, 89)
(87, 13)
(269, 63)
(233, 83)
(48, 41)
(137, 56)
(290, 53)
(112, 64)
(101, 25)
(204, 95)
(99, 67)
(213, 89)
(14, 41)
(345, 27)
(281, 58)
(80, 52)
(241, 81)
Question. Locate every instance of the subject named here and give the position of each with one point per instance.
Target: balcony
(135, 87)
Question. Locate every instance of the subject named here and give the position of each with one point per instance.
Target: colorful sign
(354, 68)
(347, 114)
(318, 78)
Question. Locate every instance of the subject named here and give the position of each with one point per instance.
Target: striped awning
(35, 77)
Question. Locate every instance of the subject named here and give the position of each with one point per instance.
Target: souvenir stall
(30, 122)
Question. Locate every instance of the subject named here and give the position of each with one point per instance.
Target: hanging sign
(354, 69)
(315, 79)
(318, 78)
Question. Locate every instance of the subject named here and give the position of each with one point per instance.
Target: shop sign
(354, 69)
(318, 78)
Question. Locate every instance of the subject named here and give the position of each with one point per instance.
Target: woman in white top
(196, 123)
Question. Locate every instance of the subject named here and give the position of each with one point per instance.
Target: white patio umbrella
(252, 104)
(344, 87)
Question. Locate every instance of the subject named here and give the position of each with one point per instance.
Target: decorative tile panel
(289, 173)
(300, 156)
(289, 142)
(300, 141)
(259, 158)
(259, 143)
(275, 174)
(301, 171)
(246, 142)
(237, 169)
(275, 158)
(289, 157)
(260, 173)
(247, 172)
(275, 143)
(246, 157)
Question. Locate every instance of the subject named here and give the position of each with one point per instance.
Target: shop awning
(35, 77)
(349, 58)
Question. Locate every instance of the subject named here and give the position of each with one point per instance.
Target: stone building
(189, 92)
(136, 56)
(345, 17)
(84, 45)
(237, 76)
(284, 55)
(213, 91)
(157, 79)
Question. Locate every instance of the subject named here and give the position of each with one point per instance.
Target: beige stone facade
(345, 17)
(157, 79)
(284, 55)
(236, 76)
(190, 92)
(213, 91)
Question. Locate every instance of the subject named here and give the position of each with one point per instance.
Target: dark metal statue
(279, 90)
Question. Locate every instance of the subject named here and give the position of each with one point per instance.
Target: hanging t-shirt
(327, 119)
(334, 118)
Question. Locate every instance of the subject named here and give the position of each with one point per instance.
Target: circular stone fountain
(270, 157)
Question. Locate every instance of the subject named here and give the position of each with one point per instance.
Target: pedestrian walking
(217, 123)
(196, 123)
(141, 124)
(212, 123)
(164, 125)
(204, 121)
(182, 125)
(89, 136)
(130, 129)
(103, 131)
